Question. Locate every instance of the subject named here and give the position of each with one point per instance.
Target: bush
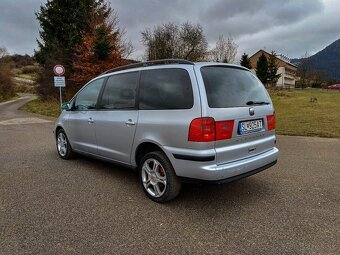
(19, 60)
(30, 69)
(6, 83)
(23, 87)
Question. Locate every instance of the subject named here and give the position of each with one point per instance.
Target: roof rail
(150, 63)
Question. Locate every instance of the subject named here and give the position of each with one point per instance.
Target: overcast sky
(290, 27)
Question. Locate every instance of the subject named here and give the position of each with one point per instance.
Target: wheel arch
(144, 148)
(59, 127)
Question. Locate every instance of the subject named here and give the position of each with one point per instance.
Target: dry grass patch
(297, 115)
(43, 107)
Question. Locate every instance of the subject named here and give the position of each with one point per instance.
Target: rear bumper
(210, 171)
(231, 179)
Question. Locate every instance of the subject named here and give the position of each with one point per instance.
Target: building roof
(287, 62)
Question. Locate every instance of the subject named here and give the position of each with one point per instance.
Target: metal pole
(61, 100)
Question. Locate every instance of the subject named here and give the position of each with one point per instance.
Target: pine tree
(272, 69)
(101, 48)
(262, 69)
(245, 61)
(61, 23)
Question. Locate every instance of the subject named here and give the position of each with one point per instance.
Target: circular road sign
(58, 70)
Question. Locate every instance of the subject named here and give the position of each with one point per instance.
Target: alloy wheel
(62, 144)
(154, 177)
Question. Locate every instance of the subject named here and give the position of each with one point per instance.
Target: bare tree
(194, 46)
(170, 40)
(128, 49)
(6, 82)
(304, 69)
(316, 78)
(225, 50)
(3, 52)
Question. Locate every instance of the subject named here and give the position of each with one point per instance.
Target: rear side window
(168, 88)
(120, 92)
(232, 87)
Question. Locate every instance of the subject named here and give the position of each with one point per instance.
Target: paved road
(82, 206)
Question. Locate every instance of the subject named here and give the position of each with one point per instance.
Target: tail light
(207, 130)
(271, 121)
(224, 129)
(202, 130)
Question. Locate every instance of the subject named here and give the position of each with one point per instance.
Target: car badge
(251, 111)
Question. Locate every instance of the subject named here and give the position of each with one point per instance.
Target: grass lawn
(47, 108)
(296, 115)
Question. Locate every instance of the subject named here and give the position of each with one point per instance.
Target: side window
(120, 91)
(87, 98)
(168, 88)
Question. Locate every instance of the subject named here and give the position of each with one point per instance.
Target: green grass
(48, 108)
(4, 99)
(296, 115)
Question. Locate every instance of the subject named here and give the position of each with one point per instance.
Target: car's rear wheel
(158, 178)
(63, 145)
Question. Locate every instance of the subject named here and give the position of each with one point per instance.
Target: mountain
(326, 60)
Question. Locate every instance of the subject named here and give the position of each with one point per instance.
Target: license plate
(250, 126)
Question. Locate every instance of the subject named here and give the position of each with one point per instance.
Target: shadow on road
(192, 195)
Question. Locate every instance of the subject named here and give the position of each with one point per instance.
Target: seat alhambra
(174, 121)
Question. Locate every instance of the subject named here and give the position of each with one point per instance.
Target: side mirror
(66, 107)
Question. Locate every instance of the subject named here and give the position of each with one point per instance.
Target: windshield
(232, 87)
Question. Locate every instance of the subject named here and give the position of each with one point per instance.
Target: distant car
(335, 86)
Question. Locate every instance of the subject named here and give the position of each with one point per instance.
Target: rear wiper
(257, 103)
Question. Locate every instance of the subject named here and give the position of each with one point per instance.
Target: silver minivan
(174, 121)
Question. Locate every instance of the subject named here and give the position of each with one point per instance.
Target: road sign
(59, 81)
(59, 70)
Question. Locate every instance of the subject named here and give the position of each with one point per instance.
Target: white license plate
(250, 126)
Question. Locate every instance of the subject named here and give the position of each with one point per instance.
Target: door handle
(130, 122)
(251, 149)
(90, 120)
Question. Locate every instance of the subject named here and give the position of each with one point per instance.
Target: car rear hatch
(242, 110)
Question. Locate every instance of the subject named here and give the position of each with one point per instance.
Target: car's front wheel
(158, 178)
(63, 145)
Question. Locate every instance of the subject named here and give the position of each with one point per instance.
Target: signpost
(59, 80)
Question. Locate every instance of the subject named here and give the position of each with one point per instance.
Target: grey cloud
(254, 24)
(18, 26)
(248, 17)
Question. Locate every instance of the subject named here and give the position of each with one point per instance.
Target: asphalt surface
(84, 206)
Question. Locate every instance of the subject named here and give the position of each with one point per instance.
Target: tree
(303, 69)
(3, 52)
(316, 78)
(262, 69)
(272, 69)
(185, 41)
(61, 23)
(225, 50)
(6, 82)
(102, 47)
(245, 61)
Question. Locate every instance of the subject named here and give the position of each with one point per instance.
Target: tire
(155, 170)
(63, 145)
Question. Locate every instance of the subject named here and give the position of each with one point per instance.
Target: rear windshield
(232, 87)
